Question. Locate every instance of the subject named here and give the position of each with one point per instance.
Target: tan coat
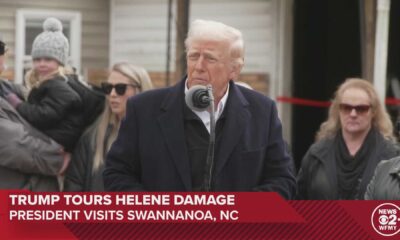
(28, 159)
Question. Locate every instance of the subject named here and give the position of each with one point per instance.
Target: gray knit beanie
(51, 43)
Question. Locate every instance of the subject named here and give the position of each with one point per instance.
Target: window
(29, 24)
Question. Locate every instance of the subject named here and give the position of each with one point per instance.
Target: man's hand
(67, 160)
(13, 99)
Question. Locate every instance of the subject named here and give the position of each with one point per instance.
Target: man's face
(209, 63)
(2, 62)
(3, 51)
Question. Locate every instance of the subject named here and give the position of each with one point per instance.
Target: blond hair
(139, 77)
(33, 80)
(380, 117)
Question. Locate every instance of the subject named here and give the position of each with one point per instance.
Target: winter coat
(317, 178)
(7, 87)
(80, 175)
(385, 185)
(28, 159)
(150, 152)
(54, 108)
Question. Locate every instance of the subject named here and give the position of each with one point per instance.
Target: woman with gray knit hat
(52, 106)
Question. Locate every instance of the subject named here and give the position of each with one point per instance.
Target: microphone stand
(211, 146)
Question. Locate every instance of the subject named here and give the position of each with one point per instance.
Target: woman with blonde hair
(357, 135)
(87, 163)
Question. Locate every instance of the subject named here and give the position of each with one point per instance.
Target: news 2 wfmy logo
(385, 219)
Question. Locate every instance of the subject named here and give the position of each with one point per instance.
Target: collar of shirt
(205, 115)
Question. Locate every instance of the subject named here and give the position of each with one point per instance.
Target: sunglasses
(360, 109)
(120, 88)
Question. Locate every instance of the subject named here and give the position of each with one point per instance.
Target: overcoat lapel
(172, 126)
(237, 117)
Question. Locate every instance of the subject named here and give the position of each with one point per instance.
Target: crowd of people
(149, 139)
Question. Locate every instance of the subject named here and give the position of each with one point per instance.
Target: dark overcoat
(150, 151)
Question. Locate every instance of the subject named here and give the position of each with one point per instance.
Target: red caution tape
(392, 101)
(304, 102)
(314, 103)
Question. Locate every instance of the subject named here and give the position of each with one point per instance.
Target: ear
(234, 72)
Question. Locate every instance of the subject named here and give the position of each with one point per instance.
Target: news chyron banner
(165, 215)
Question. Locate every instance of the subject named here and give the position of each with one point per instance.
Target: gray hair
(217, 31)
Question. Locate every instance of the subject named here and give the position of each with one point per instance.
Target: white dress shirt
(205, 115)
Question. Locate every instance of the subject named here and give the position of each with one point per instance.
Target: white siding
(139, 30)
(95, 26)
(139, 33)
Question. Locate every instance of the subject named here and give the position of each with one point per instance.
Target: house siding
(95, 26)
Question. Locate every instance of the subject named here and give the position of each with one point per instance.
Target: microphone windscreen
(192, 95)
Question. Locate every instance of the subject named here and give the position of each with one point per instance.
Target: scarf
(351, 168)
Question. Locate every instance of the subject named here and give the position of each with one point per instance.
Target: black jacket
(385, 185)
(317, 178)
(150, 151)
(80, 175)
(55, 109)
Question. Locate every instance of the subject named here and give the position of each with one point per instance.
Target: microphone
(198, 98)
